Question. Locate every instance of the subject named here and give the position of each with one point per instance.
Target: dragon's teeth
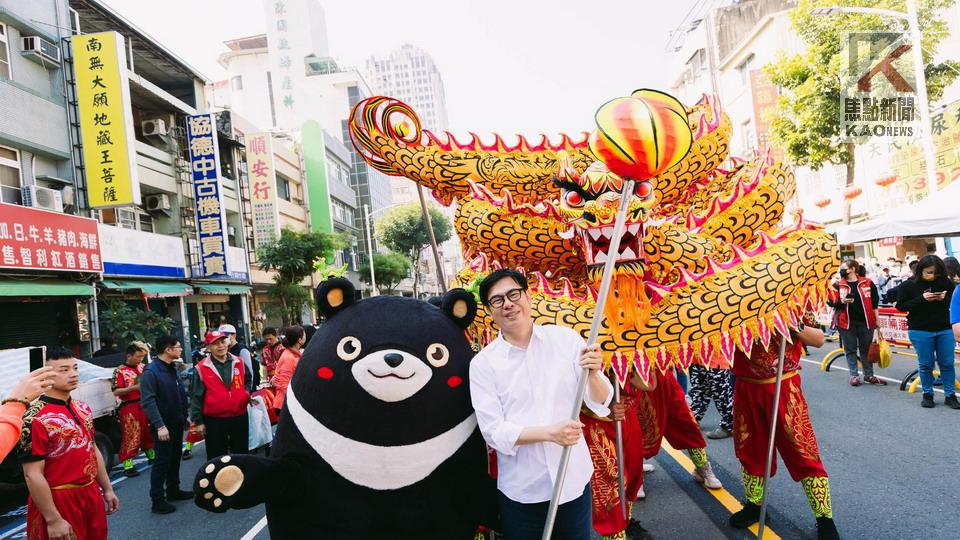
(608, 232)
(628, 254)
(634, 229)
(601, 258)
(595, 233)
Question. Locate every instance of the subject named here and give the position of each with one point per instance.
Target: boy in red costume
(134, 428)
(794, 439)
(63, 469)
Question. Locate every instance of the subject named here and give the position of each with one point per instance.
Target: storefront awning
(44, 287)
(937, 215)
(217, 288)
(155, 289)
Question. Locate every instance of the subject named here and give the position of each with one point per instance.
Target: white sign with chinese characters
(263, 189)
(290, 38)
(208, 195)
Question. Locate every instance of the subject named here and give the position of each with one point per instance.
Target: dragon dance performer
(134, 428)
(794, 439)
(600, 435)
(664, 413)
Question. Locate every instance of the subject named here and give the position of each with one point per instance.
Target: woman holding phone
(857, 302)
(926, 299)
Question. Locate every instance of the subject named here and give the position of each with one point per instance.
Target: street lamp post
(373, 278)
(929, 153)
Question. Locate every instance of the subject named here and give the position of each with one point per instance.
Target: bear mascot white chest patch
(377, 438)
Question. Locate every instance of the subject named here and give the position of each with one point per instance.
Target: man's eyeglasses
(512, 295)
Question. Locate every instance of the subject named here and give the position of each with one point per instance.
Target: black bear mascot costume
(377, 438)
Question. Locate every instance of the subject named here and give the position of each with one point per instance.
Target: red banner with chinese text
(41, 240)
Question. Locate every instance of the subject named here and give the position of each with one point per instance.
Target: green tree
(404, 230)
(390, 269)
(126, 323)
(293, 257)
(807, 124)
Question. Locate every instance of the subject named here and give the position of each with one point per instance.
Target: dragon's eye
(643, 189)
(573, 199)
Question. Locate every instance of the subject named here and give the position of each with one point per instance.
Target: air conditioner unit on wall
(155, 127)
(157, 203)
(41, 197)
(40, 51)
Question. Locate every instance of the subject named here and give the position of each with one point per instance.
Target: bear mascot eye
(348, 349)
(437, 355)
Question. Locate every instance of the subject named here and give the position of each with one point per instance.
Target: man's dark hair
(496, 276)
(292, 334)
(59, 353)
(953, 267)
(269, 331)
(926, 262)
(165, 342)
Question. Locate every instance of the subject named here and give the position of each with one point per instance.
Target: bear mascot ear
(460, 306)
(335, 295)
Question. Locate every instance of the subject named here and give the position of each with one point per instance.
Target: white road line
(888, 379)
(252, 533)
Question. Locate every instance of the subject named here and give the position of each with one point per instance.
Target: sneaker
(873, 379)
(161, 506)
(719, 433)
(927, 401)
(187, 454)
(636, 532)
(855, 380)
(648, 467)
(951, 401)
(704, 475)
(180, 495)
(747, 516)
(131, 472)
(826, 530)
(641, 494)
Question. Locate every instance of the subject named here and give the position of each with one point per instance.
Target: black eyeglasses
(512, 295)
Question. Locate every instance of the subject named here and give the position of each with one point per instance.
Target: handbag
(879, 352)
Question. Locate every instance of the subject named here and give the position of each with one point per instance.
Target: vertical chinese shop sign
(208, 195)
(106, 120)
(263, 189)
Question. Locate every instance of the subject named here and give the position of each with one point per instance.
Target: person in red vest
(219, 397)
(134, 428)
(857, 303)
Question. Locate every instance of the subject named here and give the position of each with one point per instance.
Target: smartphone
(36, 358)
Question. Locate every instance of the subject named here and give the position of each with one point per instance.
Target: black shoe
(826, 530)
(927, 401)
(187, 455)
(131, 472)
(161, 506)
(180, 495)
(636, 532)
(746, 517)
(952, 402)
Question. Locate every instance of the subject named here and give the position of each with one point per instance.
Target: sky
(517, 66)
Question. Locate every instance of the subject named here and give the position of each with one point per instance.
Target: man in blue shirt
(955, 313)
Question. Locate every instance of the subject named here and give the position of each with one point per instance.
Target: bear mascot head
(377, 437)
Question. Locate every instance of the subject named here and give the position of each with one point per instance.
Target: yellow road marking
(726, 499)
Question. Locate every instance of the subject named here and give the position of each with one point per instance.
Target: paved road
(891, 465)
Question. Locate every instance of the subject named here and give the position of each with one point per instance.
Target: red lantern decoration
(852, 192)
(885, 181)
(822, 203)
(640, 136)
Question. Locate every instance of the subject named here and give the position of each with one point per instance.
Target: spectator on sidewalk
(885, 282)
(272, 349)
(293, 339)
(857, 302)
(164, 401)
(893, 294)
(218, 404)
(70, 491)
(955, 314)
(15, 404)
(926, 299)
(952, 266)
(240, 350)
(134, 427)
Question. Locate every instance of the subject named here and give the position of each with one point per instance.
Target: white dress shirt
(514, 388)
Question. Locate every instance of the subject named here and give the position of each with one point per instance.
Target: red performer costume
(794, 438)
(601, 437)
(61, 435)
(135, 429)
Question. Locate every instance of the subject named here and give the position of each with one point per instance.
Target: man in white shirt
(523, 386)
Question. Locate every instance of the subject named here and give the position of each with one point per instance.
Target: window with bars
(10, 176)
